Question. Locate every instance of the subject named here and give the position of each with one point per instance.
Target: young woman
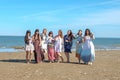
(44, 43)
(79, 45)
(37, 45)
(88, 52)
(50, 47)
(58, 45)
(68, 44)
(28, 46)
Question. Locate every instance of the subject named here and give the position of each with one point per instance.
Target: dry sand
(105, 67)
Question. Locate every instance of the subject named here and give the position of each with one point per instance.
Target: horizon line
(23, 36)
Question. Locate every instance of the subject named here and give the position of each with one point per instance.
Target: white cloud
(109, 16)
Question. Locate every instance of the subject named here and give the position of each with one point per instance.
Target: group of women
(54, 45)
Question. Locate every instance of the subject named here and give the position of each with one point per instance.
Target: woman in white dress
(58, 45)
(44, 42)
(29, 48)
(88, 52)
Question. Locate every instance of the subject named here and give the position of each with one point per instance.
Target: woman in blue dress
(68, 44)
(88, 52)
(79, 45)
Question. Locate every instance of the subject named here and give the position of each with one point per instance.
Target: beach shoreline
(105, 66)
(16, 44)
(17, 49)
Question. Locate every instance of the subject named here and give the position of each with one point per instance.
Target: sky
(102, 17)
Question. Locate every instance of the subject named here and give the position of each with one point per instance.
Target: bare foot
(27, 62)
(90, 63)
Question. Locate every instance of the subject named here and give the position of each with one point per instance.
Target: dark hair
(26, 39)
(88, 31)
(70, 35)
(79, 31)
(50, 33)
(37, 30)
(28, 31)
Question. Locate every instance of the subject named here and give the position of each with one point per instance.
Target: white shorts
(44, 45)
(29, 47)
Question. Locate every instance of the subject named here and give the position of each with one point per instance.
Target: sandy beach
(105, 67)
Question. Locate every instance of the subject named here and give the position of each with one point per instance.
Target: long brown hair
(70, 35)
(60, 33)
(79, 32)
(26, 38)
(37, 30)
(88, 31)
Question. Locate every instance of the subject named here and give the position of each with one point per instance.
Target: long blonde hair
(60, 33)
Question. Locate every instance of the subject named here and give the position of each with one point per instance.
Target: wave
(101, 48)
(15, 47)
(11, 49)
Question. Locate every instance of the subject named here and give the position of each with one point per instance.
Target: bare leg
(67, 56)
(79, 59)
(56, 56)
(30, 56)
(27, 60)
(60, 57)
(43, 57)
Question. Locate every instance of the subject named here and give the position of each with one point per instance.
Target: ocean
(16, 43)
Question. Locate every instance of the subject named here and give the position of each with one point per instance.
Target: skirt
(29, 47)
(44, 45)
(51, 53)
(88, 53)
(67, 47)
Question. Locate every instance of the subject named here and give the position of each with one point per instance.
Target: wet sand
(105, 67)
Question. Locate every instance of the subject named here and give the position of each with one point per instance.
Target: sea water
(8, 43)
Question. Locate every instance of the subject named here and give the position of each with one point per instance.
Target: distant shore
(106, 66)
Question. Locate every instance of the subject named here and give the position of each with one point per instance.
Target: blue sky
(101, 16)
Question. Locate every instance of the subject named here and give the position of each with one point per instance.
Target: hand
(67, 41)
(53, 41)
(77, 42)
(40, 44)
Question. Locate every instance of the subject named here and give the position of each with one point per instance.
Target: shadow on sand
(33, 61)
(20, 61)
(14, 60)
(74, 63)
